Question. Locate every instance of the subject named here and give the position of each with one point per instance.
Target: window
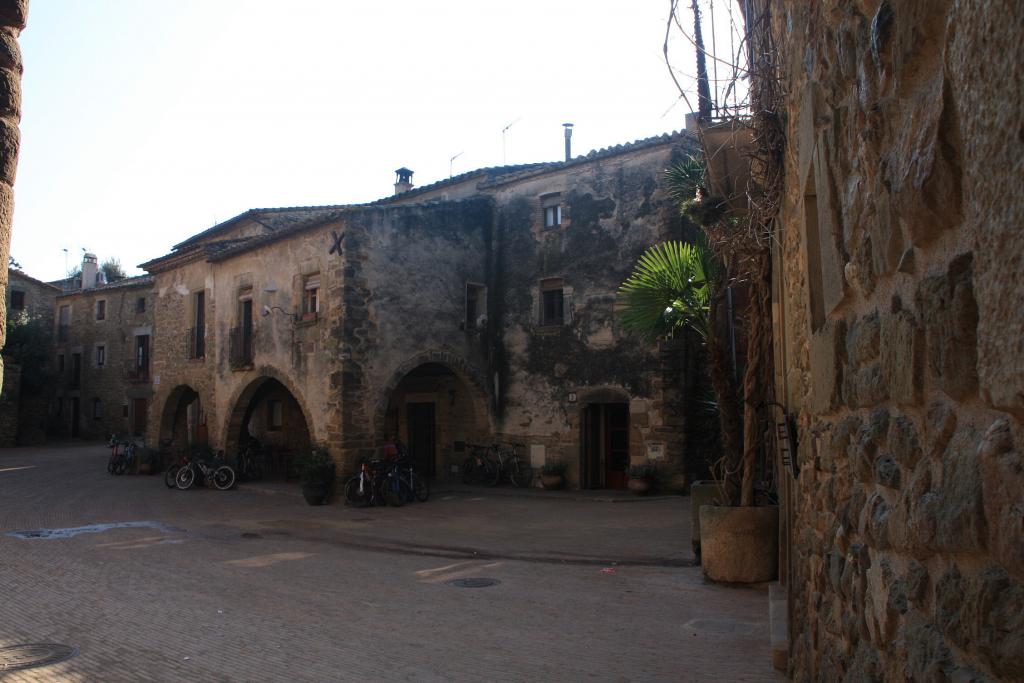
(476, 306)
(17, 301)
(101, 355)
(142, 357)
(275, 416)
(76, 370)
(63, 323)
(197, 334)
(101, 309)
(97, 408)
(311, 296)
(140, 305)
(552, 298)
(60, 362)
(552, 216)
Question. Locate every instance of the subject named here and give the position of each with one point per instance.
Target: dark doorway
(75, 414)
(422, 436)
(139, 416)
(605, 446)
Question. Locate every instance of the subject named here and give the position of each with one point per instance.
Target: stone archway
(435, 404)
(270, 410)
(182, 420)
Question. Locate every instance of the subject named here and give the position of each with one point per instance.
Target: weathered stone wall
(13, 14)
(903, 333)
(112, 382)
(10, 404)
(612, 210)
(39, 296)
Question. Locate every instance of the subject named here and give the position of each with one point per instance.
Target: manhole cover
(474, 583)
(17, 657)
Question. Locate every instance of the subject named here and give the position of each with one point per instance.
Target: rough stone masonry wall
(904, 122)
(13, 14)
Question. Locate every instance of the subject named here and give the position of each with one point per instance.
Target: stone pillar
(12, 20)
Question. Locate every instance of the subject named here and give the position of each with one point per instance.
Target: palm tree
(676, 286)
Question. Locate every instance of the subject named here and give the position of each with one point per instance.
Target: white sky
(146, 121)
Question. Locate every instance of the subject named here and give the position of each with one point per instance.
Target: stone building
(900, 331)
(473, 309)
(23, 416)
(103, 334)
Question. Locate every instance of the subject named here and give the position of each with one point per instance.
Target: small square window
(17, 301)
(60, 362)
(552, 302)
(101, 309)
(101, 356)
(97, 408)
(140, 305)
(553, 216)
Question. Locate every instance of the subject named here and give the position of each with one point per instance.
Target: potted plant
(641, 477)
(552, 474)
(679, 286)
(316, 471)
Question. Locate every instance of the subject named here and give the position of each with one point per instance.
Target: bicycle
(479, 467)
(365, 488)
(510, 464)
(120, 461)
(418, 487)
(214, 473)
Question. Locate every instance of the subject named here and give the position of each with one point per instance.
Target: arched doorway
(183, 420)
(268, 412)
(604, 446)
(435, 412)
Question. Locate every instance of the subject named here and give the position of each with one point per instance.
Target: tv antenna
(451, 162)
(503, 131)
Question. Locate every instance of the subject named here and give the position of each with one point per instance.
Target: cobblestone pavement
(246, 586)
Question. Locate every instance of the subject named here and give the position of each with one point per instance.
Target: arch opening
(435, 411)
(269, 413)
(183, 421)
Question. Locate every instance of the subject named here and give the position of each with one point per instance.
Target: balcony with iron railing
(240, 348)
(195, 343)
(137, 374)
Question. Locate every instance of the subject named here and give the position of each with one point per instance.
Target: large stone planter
(739, 544)
(703, 493)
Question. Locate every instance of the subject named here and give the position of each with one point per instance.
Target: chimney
(403, 180)
(568, 140)
(89, 270)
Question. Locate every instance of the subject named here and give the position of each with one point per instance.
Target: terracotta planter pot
(739, 544)
(639, 486)
(552, 481)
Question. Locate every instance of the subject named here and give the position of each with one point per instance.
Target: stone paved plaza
(253, 585)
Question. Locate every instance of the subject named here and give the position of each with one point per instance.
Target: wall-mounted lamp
(267, 310)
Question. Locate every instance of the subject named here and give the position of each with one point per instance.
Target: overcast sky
(146, 121)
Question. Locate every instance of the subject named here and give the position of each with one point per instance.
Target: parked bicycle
(511, 465)
(122, 455)
(480, 467)
(249, 462)
(417, 487)
(365, 489)
(213, 472)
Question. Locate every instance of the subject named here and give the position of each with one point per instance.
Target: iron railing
(195, 343)
(240, 347)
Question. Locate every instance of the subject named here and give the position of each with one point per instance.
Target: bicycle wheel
(420, 488)
(185, 478)
(119, 465)
(395, 491)
(354, 496)
(110, 466)
(519, 474)
(224, 478)
(492, 471)
(169, 476)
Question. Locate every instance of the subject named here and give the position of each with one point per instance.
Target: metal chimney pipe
(568, 141)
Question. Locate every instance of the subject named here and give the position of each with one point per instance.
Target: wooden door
(616, 444)
(75, 415)
(422, 437)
